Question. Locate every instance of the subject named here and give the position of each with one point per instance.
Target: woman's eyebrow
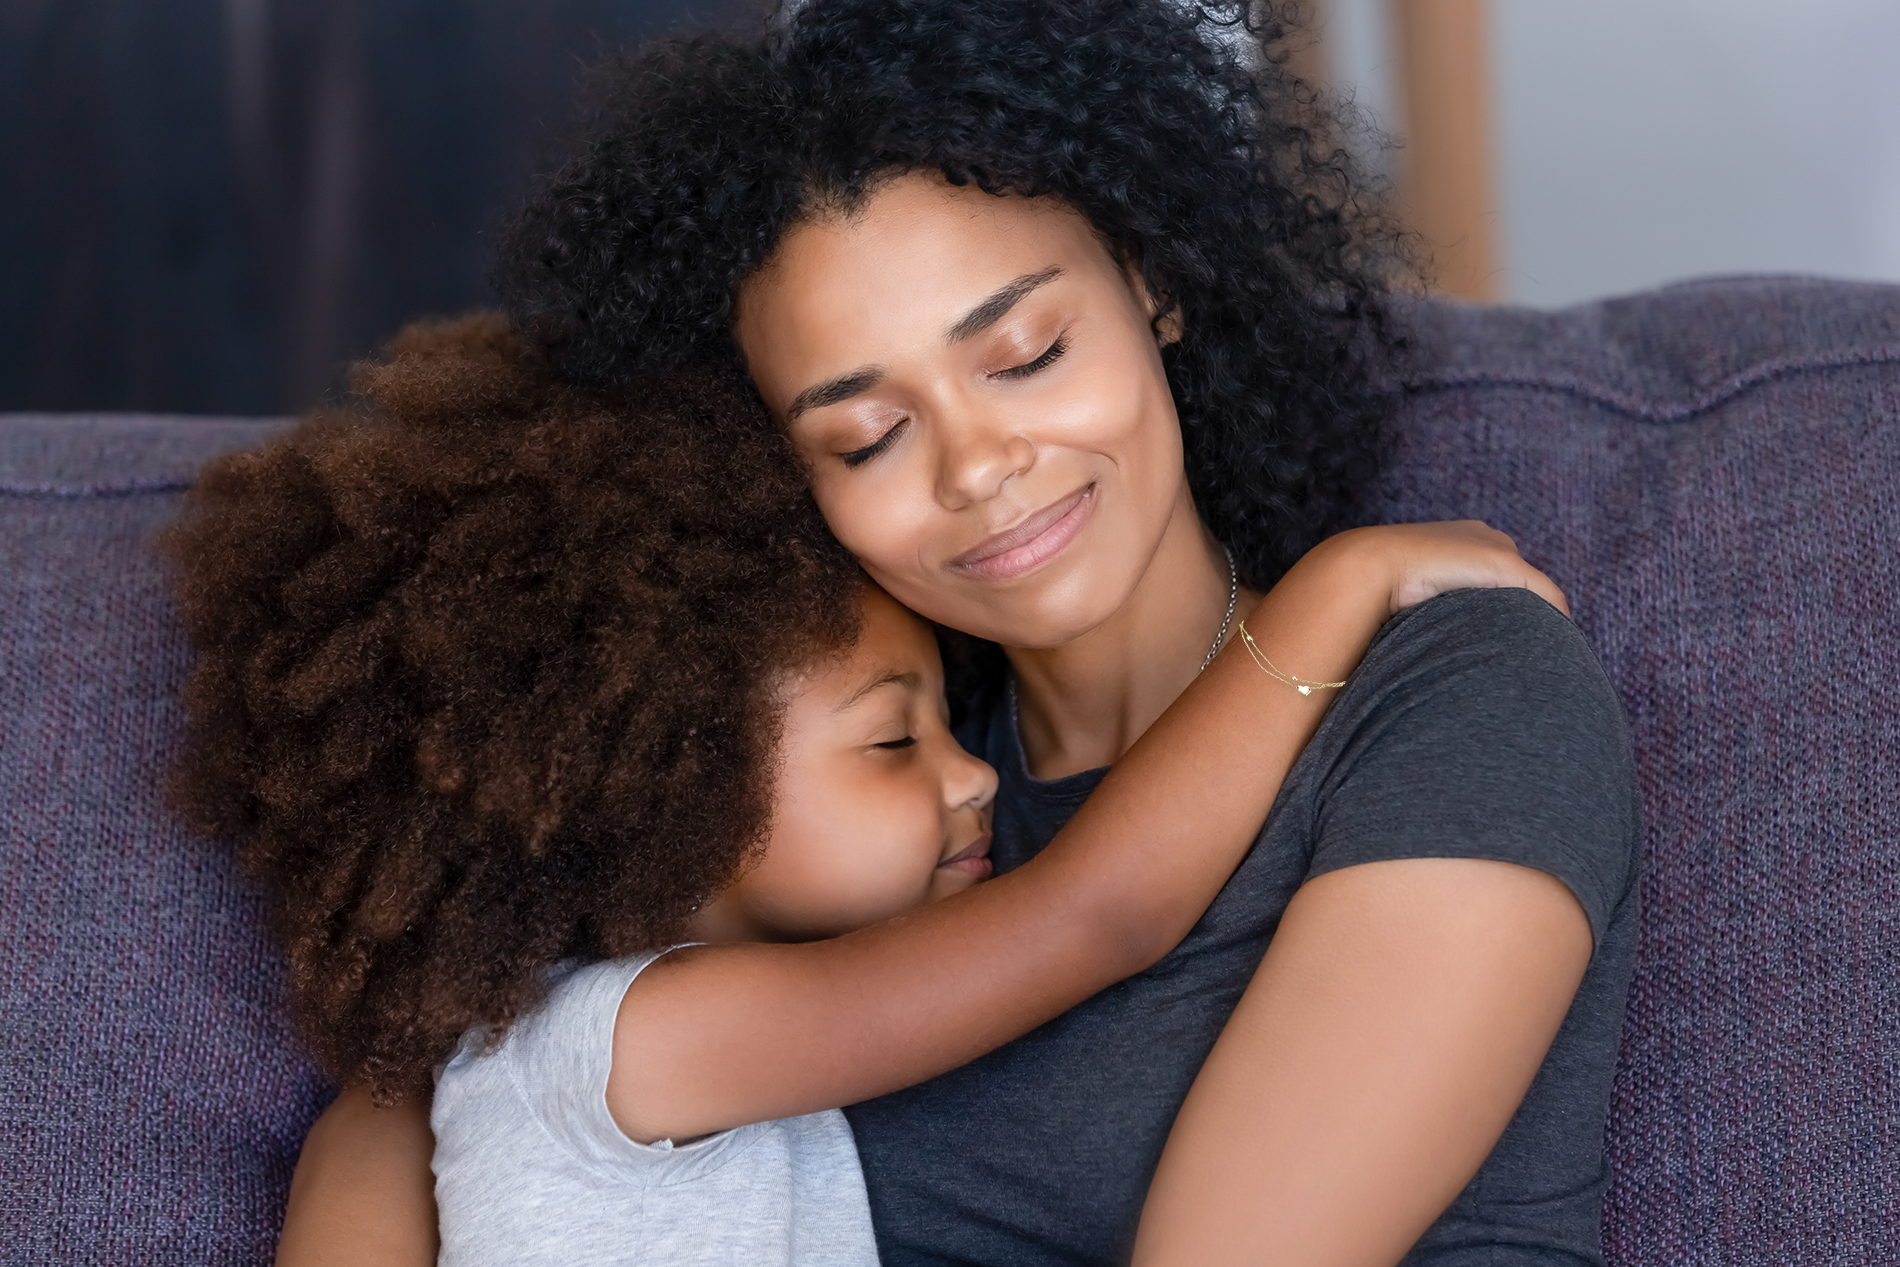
(973, 322)
(837, 391)
(991, 310)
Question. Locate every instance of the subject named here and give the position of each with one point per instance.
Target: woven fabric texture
(151, 1097)
(1711, 471)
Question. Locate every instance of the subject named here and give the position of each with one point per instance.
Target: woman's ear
(1169, 326)
(1169, 323)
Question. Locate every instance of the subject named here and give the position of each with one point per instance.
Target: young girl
(512, 688)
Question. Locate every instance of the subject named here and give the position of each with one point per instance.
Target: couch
(1712, 471)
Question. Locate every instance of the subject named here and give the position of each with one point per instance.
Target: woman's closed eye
(1050, 355)
(858, 457)
(894, 744)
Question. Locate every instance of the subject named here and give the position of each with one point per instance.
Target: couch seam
(50, 489)
(1710, 398)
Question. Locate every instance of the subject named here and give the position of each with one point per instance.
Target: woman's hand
(1418, 561)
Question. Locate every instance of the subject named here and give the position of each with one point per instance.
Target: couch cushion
(151, 1096)
(1712, 472)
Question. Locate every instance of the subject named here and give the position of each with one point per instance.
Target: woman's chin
(1067, 597)
(1022, 633)
(1040, 626)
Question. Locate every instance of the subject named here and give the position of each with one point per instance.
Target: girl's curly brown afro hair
(488, 676)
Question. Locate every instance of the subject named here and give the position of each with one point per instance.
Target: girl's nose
(967, 780)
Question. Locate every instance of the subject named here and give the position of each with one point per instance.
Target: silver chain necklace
(1233, 596)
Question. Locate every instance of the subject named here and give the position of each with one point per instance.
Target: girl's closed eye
(895, 744)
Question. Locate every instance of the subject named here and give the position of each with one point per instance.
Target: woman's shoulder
(1480, 724)
(1497, 660)
(1486, 651)
(1502, 624)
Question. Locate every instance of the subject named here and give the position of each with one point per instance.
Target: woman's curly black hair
(487, 676)
(1175, 128)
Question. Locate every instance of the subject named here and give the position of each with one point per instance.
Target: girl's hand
(1418, 561)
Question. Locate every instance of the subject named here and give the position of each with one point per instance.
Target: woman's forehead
(903, 268)
(915, 227)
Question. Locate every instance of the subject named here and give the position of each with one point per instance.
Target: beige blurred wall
(1637, 142)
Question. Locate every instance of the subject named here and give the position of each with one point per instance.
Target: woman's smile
(1032, 542)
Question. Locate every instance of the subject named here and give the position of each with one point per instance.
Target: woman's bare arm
(363, 1194)
(721, 1036)
(1397, 1020)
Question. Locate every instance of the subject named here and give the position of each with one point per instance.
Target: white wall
(1644, 141)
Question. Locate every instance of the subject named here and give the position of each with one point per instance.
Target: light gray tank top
(530, 1167)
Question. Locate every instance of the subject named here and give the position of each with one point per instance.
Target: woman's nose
(977, 456)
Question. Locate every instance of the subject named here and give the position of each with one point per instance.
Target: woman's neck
(1084, 703)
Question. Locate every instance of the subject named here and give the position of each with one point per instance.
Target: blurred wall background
(214, 205)
(1637, 142)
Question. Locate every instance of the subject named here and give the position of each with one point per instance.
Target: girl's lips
(973, 859)
(1032, 542)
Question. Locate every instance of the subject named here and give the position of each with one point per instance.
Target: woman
(1065, 317)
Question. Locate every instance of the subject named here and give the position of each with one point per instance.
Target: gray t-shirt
(1478, 726)
(530, 1167)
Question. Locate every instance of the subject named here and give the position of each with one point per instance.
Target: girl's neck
(1084, 703)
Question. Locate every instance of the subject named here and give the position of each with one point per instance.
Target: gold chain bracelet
(1304, 685)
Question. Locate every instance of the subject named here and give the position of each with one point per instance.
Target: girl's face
(878, 810)
(978, 391)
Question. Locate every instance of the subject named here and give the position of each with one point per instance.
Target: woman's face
(977, 388)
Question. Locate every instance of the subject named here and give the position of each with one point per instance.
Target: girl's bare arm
(363, 1194)
(715, 1037)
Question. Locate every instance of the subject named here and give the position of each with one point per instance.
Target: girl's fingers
(1428, 559)
(1528, 577)
(1545, 588)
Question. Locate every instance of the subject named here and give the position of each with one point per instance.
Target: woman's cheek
(891, 540)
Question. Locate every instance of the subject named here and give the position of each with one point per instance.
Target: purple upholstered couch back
(1711, 471)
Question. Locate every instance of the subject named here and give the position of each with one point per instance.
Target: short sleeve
(558, 1060)
(1480, 725)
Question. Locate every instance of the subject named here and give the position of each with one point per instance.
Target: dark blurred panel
(213, 205)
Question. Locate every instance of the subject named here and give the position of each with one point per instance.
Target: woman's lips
(1032, 542)
(973, 859)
